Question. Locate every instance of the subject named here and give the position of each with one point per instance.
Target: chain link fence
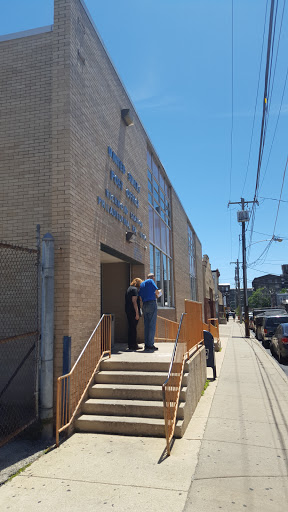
(19, 338)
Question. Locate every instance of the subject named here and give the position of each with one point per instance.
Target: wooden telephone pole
(243, 216)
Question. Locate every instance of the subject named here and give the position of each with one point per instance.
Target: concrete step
(141, 365)
(129, 392)
(133, 377)
(135, 408)
(130, 426)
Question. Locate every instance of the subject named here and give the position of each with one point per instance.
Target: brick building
(273, 283)
(209, 289)
(73, 162)
(225, 290)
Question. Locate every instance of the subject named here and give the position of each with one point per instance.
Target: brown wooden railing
(214, 327)
(166, 330)
(172, 385)
(72, 387)
(194, 323)
(189, 336)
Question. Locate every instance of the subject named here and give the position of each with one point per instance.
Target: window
(160, 231)
(192, 264)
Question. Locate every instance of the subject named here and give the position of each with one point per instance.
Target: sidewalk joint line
(27, 475)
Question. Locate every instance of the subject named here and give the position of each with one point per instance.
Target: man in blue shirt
(149, 294)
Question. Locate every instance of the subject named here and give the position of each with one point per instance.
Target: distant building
(208, 289)
(234, 299)
(225, 290)
(281, 300)
(273, 283)
(216, 275)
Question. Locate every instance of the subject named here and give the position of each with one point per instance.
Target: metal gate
(19, 338)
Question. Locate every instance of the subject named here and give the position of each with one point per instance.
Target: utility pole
(246, 314)
(243, 216)
(237, 283)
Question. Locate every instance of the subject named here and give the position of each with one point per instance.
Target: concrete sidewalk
(233, 454)
(243, 460)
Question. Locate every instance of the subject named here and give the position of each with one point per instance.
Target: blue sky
(175, 60)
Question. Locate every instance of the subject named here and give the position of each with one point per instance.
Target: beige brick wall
(181, 257)
(62, 101)
(25, 138)
(199, 272)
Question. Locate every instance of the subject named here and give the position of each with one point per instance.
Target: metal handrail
(172, 385)
(72, 387)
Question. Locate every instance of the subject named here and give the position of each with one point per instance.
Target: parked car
(279, 343)
(258, 321)
(269, 326)
(264, 311)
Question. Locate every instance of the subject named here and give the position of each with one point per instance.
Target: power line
(263, 255)
(271, 199)
(280, 197)
(270, 45)
(256, 102)
(276, 126)
(276, 58)
(232, 93)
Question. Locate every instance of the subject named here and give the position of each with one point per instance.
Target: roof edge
(26, 33)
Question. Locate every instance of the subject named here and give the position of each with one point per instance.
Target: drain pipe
(47, 337)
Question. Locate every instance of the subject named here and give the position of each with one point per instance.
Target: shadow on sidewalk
(273, 404)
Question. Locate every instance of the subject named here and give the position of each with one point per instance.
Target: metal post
(38, 321)
(47, 336)
(246, 314)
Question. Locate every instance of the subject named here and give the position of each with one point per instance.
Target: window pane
(169, 279)
(157, 229)
(149, 186)
(162, 215)
(163, 237)
(162, 195)
(161, 180)
(165, 283)
(169, 249)
(156, 196)
(150, 198)
(162, 205)
(149, 159)
(157, 207)
(151, 259)
(158, 270)
(168, 211)
(155, 169)
(156, 186)
(151, 224)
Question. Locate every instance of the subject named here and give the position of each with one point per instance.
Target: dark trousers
(132, 329)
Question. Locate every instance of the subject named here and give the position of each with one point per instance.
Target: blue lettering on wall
(116, 201)
(133, 182)
(138, 221)
(116, 160)
(116, 180)
(113, 212)
(132, 198)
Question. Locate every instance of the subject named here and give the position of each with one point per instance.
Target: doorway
(115, 279)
